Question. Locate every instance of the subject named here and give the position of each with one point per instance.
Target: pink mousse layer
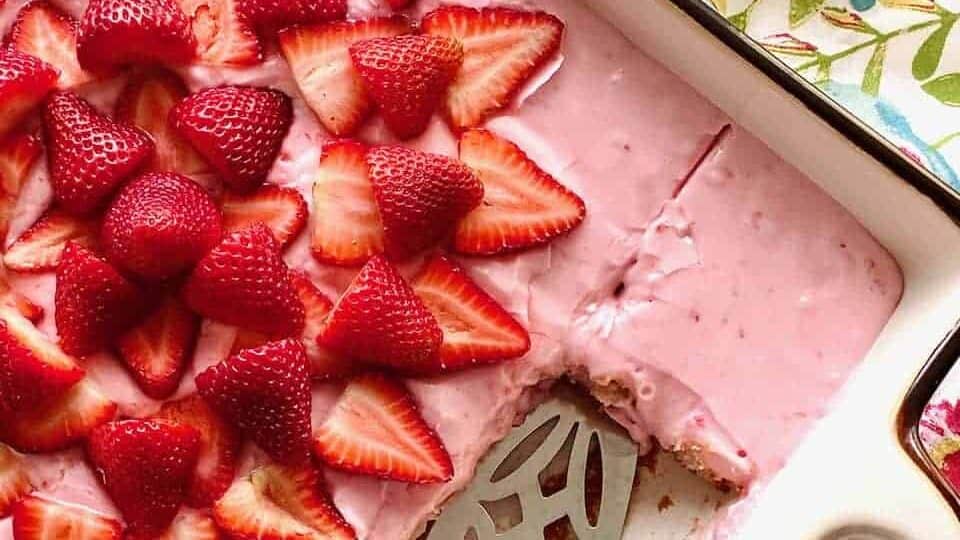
(747, 297)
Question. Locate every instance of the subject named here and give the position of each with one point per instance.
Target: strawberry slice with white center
(281, 209)
(281, 503)
(13, 299)
(503, 48)
(40, 247)
(319, 56)
(476, 328)
(189, 526)
(18, 153)
(376, 429)
(14, 482)
(224, 37)
(523, 206)
(25, 81)
(346, 227)
(38, 518)
(46, 32)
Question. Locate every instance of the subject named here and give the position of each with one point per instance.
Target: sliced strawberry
(60, 423)
(282, 503)
(503, 48)
(46, 32)
(476, 329)
(157, 351)
(24, 83)
(18, 153)
(524, 207)
(407, 77)
(146, 102)
(319, 57)
(238, 129)
(118, 32)
(20, 303)
(265, 393)
(380, 320)
(281, 209)
(94, 303)
(40, 247)
(14, 481)
(219, 448)
(271, 14)
(375, 428)
(421, 197)
(89, 154)
(146, 466)
(346, 228)
(188, 526)
(38, 518)
(224, 37)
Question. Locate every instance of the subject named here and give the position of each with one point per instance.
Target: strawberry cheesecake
(288, 269)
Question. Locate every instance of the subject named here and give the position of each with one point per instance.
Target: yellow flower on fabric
(846, 19)
(787, 44)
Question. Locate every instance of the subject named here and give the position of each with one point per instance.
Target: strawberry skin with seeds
(24, 82)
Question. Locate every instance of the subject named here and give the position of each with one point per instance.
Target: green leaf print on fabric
(801, 10)
(928, 56)
(874, 71)
(945, 88)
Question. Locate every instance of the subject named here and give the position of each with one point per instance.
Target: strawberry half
(319, 56)
(407, 77)
(238, 129)
(421, 197)
(89, 154)
(282, 503)
(346, 228)
(265, 393)
(189, 526)
(14, 481)
(281, 209)
(502, 47)
(18, 153)
(40, 247)
(244, 282)
(9, 298)
(160, 225)
(25, 82)
(224, 37)
(380, 320)
(219, 448)
(44, 31)
(158, 350)
(271, 14)
(146, 102)
(375, 428)
(59, 423)
(476, 329)
(146, 466)
(94, 303)
(523, 206)
(38, 518)
(118, 32)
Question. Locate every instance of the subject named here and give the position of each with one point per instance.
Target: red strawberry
(158, 350)
(146, 102)
(277, 502)
(14, 481)
(502, 49)
(189, 526)
(224, 37)
(33, 370)
(244, 282)
(421, 197)
(524, 207)
(238, 129)
(40, 247)
(117, 32)
(38, 518)
(160, 225)
(46, 32)
(146, 467)
(24, 82)
(283, 210)
(18, 152)
(94, 303)
(10, 298)
(60, 423)
(407, 77)
(399, 4)
(219, 448)
(476, 329)
(89, 154)
(380, 320)
(375, 428)
(346, 227)
(265, 392)
(278, 13)
(319, 57)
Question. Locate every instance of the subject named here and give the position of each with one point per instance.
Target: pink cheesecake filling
(713, 297)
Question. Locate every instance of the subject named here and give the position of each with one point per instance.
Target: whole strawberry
(238, 129)
(89, 155)
(24, 82)
(271, 14)
(244, 282)
(160, 225)
(265, 393)
(117, 32)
